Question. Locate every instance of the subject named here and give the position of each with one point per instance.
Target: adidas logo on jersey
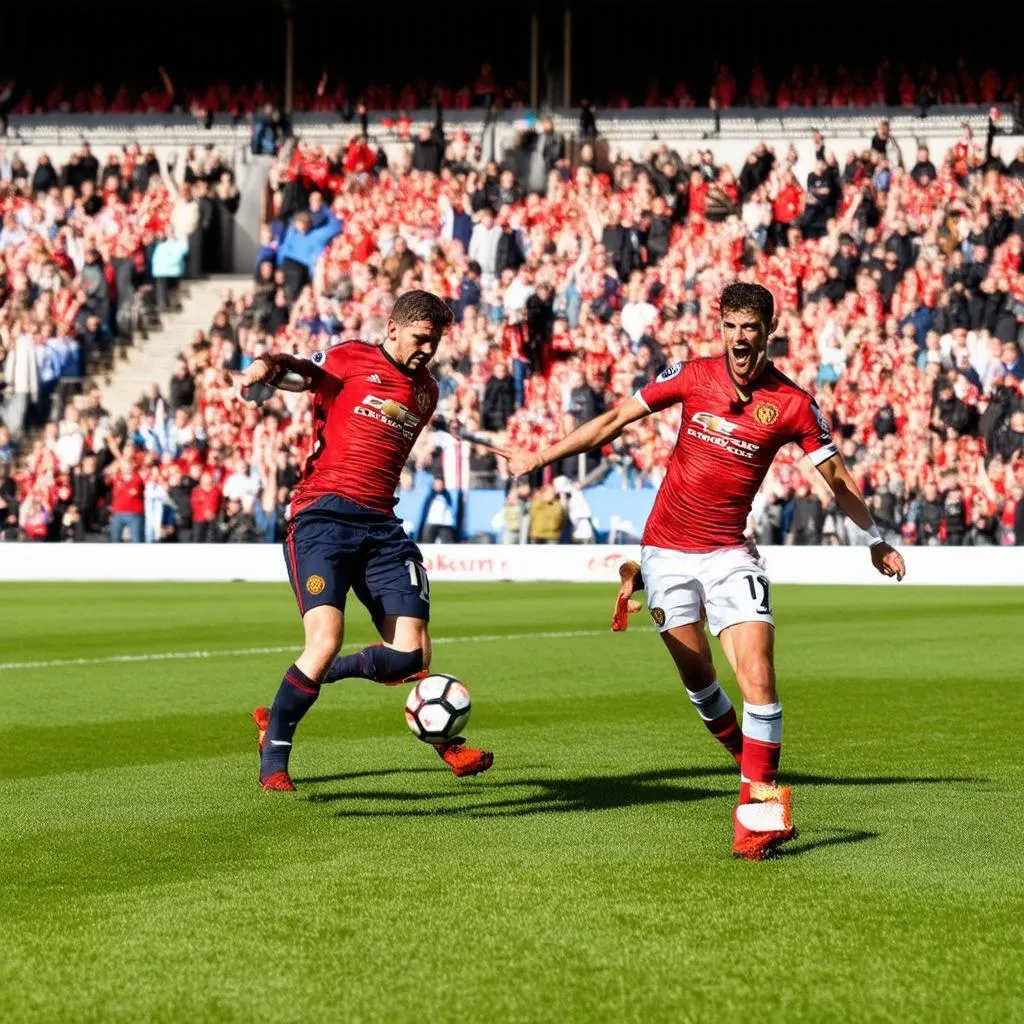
(374, 378)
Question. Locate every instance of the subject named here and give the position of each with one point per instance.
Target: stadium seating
(894, 271)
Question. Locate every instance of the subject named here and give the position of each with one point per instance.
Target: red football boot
(279, 782)
(464, 760)
(761, 827)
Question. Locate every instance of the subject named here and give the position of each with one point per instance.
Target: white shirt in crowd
(483, 247)
(440, 512)
(69, 445)
(636, 318)
(516, 296)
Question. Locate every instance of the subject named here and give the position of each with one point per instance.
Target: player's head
(748, 320)
(418, 322)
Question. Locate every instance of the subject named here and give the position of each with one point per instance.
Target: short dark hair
(740, 296)
(416, 305)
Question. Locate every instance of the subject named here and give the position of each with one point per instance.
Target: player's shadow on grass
(819, 838)
(558, 796)
(589, 793)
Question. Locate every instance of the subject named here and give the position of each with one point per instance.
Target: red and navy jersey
(367, 413)
(724, 450)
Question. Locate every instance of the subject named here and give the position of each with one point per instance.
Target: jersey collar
(398, 366)
(745, 393)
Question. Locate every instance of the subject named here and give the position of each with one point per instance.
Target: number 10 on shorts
(760, 583)
(418, 578)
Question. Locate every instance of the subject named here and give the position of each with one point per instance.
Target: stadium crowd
(898, 277)
(885, 84)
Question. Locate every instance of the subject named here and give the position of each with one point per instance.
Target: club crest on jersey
(716, 424)
(315, 585)
(658, 614)
(422, 401)
(669, 372)
(766, 413)
(318, 358)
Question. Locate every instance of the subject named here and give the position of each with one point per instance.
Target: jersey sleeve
(668, 388)
(812, 433)
(335, 362)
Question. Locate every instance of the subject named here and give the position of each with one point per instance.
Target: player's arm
(278, 370)
(593, 434)
(886, 559)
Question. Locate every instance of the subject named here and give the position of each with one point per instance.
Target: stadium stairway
(152, 360)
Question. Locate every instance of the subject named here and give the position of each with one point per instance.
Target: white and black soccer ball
(437, 708)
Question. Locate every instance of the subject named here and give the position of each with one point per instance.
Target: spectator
(127, 507)
(437, 520)
(548, 517)
(206, 501)
(499, 401)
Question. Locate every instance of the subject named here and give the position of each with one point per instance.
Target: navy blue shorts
(334, 546)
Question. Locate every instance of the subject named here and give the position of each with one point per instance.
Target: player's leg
(688, 645)
(739, 610)
(315, 556)
(403, 654)
(674, 601)
(396, 591)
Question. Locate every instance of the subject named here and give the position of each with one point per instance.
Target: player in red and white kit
(696, 563)
(370, 403)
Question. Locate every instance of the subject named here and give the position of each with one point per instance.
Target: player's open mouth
(742, 358)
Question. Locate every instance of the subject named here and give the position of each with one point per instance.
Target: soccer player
(370, 403)
(696, 565)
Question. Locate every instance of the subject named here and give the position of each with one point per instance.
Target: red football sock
(726, 730)
(718, 714)
(762, 745)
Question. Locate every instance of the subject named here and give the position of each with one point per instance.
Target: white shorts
(729, 585)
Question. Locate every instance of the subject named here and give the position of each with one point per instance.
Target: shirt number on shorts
(764, 608)
(418, 578)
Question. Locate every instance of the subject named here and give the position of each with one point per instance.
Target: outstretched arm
(278, 370)
(593, 434)
(886, 559)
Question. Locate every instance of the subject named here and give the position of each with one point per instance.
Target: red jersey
(367, 413)
(128, 495)
(724, 450)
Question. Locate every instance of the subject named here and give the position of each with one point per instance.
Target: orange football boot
(762, 826)
(632, 581)
(464, 760)
(261, 716)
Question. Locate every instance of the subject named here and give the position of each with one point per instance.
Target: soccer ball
(437, 708)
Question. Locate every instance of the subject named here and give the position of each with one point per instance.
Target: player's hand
(259, 371)
(888, 561)
(521, 462)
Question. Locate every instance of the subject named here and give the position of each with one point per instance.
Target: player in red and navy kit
(370, 403)
(697, 565)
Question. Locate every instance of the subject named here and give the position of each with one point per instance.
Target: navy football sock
(296, 695)
(380, 663)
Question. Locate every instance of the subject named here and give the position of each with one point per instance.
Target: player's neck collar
(745, 392)
(394, 362)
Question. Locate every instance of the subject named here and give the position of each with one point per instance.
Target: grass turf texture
(585, 877)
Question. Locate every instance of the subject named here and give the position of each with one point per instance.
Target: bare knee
(323, 639)
(691, 653)
(403, 633)
(756, 678)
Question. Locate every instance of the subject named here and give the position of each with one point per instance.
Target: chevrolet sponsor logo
(715, 424)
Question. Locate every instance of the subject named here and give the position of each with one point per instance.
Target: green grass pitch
(586, 877)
